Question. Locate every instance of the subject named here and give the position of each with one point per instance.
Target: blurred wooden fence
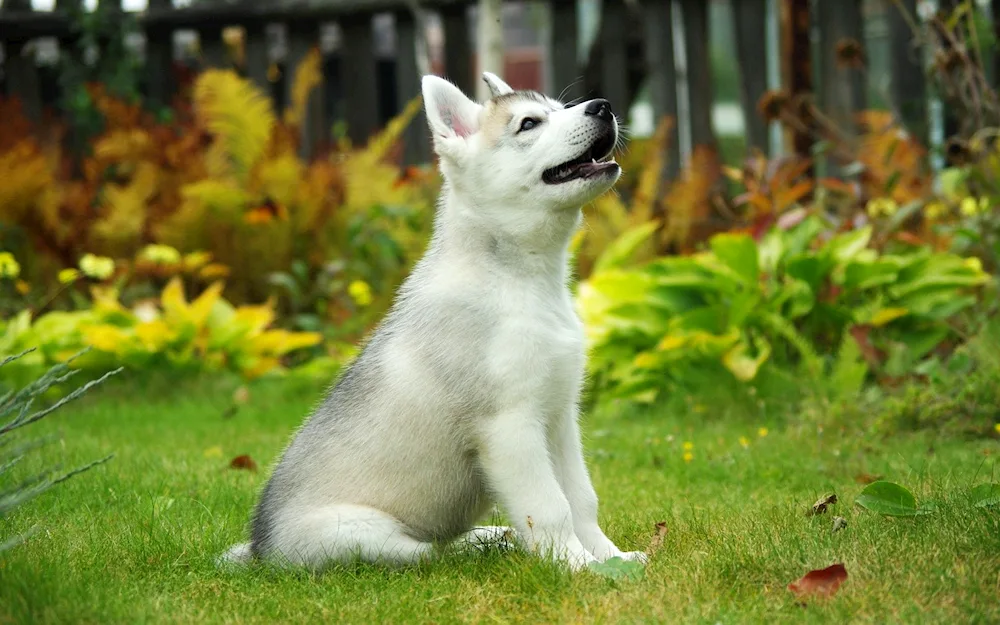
(364, 90)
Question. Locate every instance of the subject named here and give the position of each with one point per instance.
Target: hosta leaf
(985, 496)
(741, 364)
(739, 253)
(889, 499)
(620, 251)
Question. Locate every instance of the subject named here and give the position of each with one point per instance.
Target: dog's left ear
(497, 86)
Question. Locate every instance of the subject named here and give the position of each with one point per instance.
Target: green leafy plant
(168, 332)
(18, 410)
(824, 303)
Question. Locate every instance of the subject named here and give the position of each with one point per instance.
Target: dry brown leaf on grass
(243, 462)
(866, 478)
(821, 504)
(821, 582)
(657, 541)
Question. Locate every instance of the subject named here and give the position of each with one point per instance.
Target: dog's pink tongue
(593, 168)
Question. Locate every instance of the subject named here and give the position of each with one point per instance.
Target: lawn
(134, 540)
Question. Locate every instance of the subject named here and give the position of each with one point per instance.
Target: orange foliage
(895, 163)
(688, 201)
(223, 177)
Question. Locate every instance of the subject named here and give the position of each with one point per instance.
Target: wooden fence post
(796, 52)
(663, 76)
(750, 20)
(841, 65)
(614, 59)
(567, 79)
(256, 58)
(314, 129)
(19, 65)
(160, 85)
(457, 47)
(416, 148)
(909, 85)
(359, 71)
(699, 72)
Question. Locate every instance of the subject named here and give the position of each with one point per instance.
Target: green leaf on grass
(617, 569)
(889, 499)
(985, 495)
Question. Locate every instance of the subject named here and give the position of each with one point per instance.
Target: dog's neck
(539, 247)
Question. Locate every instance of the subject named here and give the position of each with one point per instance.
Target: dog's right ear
(453, 118)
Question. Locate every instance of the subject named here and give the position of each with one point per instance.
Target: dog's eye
(528, 123)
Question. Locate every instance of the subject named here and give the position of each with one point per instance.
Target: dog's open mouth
(596, 161)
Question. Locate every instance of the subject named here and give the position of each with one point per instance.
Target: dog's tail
(237, 556)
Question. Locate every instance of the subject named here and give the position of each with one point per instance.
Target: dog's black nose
(601, 109)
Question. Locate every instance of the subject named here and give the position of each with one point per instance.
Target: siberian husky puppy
(466, 395)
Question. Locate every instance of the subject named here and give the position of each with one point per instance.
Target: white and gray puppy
(467, 393)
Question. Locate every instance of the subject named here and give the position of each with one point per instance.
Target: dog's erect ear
(449, 113)
(497, 86)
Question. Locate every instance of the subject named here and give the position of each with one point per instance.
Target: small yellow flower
(935, 210)
(881, 207)
(744, 442)
(360, 292)
(9, 267)
(22, 287)
(762, 432)
(969, 206)
(688, 445)
(68, 276)
(688, 456)
(97, 267)
(160, 254)
(997, 428)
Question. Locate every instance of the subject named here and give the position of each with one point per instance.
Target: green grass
(134, 540)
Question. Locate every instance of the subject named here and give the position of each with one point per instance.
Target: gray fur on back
(361, 434)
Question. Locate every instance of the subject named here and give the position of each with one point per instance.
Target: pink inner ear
(454, 121)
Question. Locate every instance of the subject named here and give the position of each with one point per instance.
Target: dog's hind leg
(316, 537)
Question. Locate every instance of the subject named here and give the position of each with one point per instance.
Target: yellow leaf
(172, 299)
(154, 335)
(260, 367)
(202, 305)
(253, 318)
(281, 342)
(671, 341)
(106, 338)
(888, 315)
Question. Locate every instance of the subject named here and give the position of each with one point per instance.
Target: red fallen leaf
(822, 582)
(244, 462)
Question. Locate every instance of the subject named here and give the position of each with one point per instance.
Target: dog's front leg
(571, 469)
(514, 456)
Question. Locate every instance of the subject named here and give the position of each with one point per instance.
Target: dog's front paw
(635, 556)
(577, 561)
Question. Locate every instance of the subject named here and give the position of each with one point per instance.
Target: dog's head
(522, 148)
